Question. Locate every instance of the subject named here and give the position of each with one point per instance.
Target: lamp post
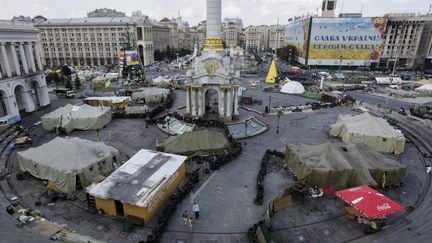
(278, 116)
(246, 124)
(270, 98)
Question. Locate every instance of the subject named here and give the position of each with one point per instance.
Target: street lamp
(270, 98)
(246, 124)
(278, 116)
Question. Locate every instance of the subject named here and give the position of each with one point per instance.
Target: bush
(269, 88)
(68, 84)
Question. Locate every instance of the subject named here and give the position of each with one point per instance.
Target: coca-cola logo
(383, 207)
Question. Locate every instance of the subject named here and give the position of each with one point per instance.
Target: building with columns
(93, 41)
(22, 82)
(213, 83)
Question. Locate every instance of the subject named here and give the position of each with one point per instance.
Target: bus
(10, 120)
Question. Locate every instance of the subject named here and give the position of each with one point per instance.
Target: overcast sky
(253, 12)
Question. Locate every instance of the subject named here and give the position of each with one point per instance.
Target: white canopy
(370, 130)
(62, 160)
(293, 87)
(424, 88)
(81, 117)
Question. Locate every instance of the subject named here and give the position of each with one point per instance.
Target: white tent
(161, 81)
(424, 88)
(370, 130)
(64, 161)
(293, 87)
(81, 117)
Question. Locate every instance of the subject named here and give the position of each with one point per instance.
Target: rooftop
(138, 181)
(96, 20)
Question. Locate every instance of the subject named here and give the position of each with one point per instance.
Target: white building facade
(22, 82)
(93, 41)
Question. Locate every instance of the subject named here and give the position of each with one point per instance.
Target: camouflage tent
(340, 165)
(197, 143)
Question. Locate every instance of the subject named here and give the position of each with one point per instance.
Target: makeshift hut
(161, 82)
(139, 188)
(426, 88)
(68, 163)
(114, 102)
(150, 96)
(339, 165)
(197, 143)
(370, 130)
(292, 87)
(77, 117)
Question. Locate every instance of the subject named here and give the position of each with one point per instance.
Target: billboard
(297, 34)
(346, 41)
(132, 58)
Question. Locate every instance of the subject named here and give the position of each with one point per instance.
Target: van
(10, 120)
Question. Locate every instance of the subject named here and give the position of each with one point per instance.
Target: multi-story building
(237, 22)
(231, 34)
(198, 34)
(407, 40)
(93, 41)
(22, 82)
(276, 37)
(253, 36)
(161, 36)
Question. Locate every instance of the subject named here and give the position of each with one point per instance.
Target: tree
(50, 78)
(287, 53)
(129, 41)
(77, 82)
(68, 84)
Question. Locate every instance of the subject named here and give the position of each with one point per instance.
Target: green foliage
(258, 59)
(170, 54)
(129, 41)
(52, 78)
(268, 88)
(287, 53)
(68, 84)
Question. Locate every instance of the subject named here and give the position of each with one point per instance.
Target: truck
(10, 120)
(64, 92)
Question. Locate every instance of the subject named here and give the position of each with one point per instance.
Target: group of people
(188, 220)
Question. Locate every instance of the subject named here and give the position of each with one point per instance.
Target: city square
(115, 128)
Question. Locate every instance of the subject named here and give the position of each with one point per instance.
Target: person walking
(195, 209)
(185, 217)
(190, 224)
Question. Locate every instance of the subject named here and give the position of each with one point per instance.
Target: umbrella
(369, 202)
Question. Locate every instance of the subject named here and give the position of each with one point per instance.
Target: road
(375, 100)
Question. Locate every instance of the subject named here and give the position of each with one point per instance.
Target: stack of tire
(259, 198)
(171, 206)
(251, 234)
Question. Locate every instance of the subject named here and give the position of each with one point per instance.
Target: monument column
(222, 103)
(229, 103)
(188, 106)
(193, 97)
(200, 101)
(236, 105)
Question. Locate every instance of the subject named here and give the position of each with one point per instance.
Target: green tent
(197, 143)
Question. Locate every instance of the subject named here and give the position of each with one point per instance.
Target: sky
(253, 12)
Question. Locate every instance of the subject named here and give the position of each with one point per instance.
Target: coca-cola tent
(369, 202)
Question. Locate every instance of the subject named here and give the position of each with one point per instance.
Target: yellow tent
(272, 73)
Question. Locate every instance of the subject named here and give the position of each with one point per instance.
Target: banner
(346, 41)
(132, 58)
(297, 34)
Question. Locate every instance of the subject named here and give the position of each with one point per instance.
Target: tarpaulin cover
(82, 117)
(339, 165)
(370, 130)
(150, 95)
(369, 202)
(61, 160)
(197, 143)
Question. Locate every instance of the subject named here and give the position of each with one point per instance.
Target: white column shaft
(193, 97)
(31, 57)
(11, 105)
(188, 105)
(5, 60)
(23, 58)
(222, 103)
(229, 103)
(200, 105)
(236, 101)
(15, 59)
(38, 58)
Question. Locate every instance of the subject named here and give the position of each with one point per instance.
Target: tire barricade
(259, 198)
(251, 234)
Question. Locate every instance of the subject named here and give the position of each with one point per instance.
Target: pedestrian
(190, 224)
(195, 209)
(185, 217)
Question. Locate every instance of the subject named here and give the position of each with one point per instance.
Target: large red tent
(369, 202)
